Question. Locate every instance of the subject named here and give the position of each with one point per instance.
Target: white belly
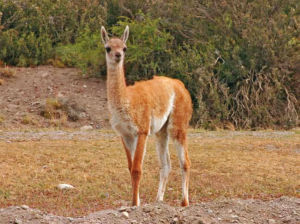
(158, 122)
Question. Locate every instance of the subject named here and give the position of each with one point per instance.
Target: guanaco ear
(125, 34)
(104, 35)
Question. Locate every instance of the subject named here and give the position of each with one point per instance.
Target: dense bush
(238, 58)
(31, 29)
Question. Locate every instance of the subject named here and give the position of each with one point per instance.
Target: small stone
(287, 219)
(210, 211)
(25, 207)
(84, 86)
(133, 221)
(86, 128)
(18, 221)
(125, 214)
(175, 220)
(271, 221)
(234, 216)
(64, 186)
(70, 219)
(44, 75)
(146, 209)
(122, 209)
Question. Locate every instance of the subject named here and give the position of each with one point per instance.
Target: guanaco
(160, 106)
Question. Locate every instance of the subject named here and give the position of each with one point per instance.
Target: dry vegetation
(223, 165)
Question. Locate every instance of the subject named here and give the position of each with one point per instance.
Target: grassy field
(223, 165)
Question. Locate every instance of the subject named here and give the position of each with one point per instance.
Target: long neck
(116, 86)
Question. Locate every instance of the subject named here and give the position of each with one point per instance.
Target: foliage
(30, 29)
(239, 59)
(148, 47)
(86, 53)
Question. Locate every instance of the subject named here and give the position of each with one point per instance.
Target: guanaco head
(115, 47)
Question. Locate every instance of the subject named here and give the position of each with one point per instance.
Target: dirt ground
(281, 210)
(24, 94)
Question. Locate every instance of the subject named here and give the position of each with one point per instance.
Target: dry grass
(222, 166)
(1, 118)
(7, 72)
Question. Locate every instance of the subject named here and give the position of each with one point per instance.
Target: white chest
(123, 125)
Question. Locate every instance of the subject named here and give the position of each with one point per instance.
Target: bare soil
(23, 95)
(281, 210)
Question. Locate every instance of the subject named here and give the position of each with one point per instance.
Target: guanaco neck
(116, 86)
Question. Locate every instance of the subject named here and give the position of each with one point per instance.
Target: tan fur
(160, 106)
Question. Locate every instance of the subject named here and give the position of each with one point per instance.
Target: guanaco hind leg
(164, 161)
(181, 147)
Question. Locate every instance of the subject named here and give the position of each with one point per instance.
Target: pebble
(64, 186)
(70, 219)
(25, 207)
(146, 209)
(234, 216)
(175, 220)
(271, 221)
(86, 128)
(18, 221)
(122, 209)
(125, 214)
(287, 219)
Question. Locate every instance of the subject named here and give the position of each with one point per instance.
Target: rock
(122, 209)
(18, 221)
(287, 219)
(70, 219)
(25, 207)
(175, 220)
(64, 186)
(44, 75)
(125, 214)
(86, 128)
(271, 221)
(234, 216)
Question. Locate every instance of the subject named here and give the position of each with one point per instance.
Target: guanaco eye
(108, 49)
(124, 49)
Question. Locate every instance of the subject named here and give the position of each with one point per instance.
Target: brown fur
(133, 107)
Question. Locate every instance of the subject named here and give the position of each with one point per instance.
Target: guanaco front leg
(128, 154)
(136, 169)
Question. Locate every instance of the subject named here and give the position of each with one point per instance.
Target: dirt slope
(23, 95)
(281, 210)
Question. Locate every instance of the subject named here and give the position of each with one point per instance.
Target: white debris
(64, 186)
(86, 127)
(125, 214)
(25, 207)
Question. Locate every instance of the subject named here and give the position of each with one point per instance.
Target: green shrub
(31, 29)
(239, 59)
(148, 47)
(87, 53)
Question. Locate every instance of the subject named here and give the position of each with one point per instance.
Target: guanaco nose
(118, 54)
